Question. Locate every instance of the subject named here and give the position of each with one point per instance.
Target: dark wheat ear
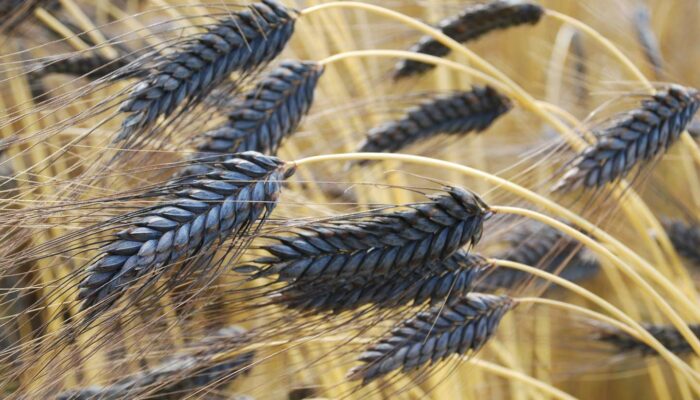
(638, 135)
(685, 238)
(221, 203)
(267, 114)
(239, 43)
(539, 245)
(456, 114)
(667, 335)
(647, 39)
(456, 275)
(381, 244)
(182, 374)
(461, 326)
(475, 21)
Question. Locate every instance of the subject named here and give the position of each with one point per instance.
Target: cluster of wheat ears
(339, 199)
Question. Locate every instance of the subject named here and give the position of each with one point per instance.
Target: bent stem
(690, 307)
(521, 377)
(599, 249)
(636, 206)
(647, 338)
(626, 62)
(632, 327)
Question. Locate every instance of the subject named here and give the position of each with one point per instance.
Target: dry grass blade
(182, 374)
(685, 238)
(241, 42)
(267, 114)
(636, 136)
(461, 326)
(667, 335)
(456, 114)
(456, 275)
(229, 198)
(474, 22)
(536, 244)
(382, 244)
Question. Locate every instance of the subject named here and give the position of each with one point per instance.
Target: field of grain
(316, 199)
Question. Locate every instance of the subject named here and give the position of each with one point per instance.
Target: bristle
(380, 244)
(477, 20)
(461, 326)
(89, 65)
(267, 114)
(239, 43)
(639, 135)
(456, 275)
(15, 12)
(538, 245)
(667, 335)
(180, 375)
(455, 114)
(229, 198)
(685, 238)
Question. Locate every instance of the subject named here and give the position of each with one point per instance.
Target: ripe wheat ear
(461, 326)
(239, 43)
(224, 202)
(638, 135)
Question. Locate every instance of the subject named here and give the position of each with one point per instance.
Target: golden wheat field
(317, 199)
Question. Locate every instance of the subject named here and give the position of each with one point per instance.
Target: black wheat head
(461, 326)
(456, 114)
(474, 22)
(182, 374)
(455, 275)
(647, 38)
(384, 243)
(639, 135)
(539, 245)
(685, 238)
(228, 199)
(267, 114)
(239, 43)
(667, 335)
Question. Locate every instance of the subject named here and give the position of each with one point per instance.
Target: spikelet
(456, 275)
(239, 43)
(267, 114)
(382, 244)
(461, 326)
(685, 238)
(539, 245)
(639, 135)
(228, 199)
(477, 20)
(455, 114)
